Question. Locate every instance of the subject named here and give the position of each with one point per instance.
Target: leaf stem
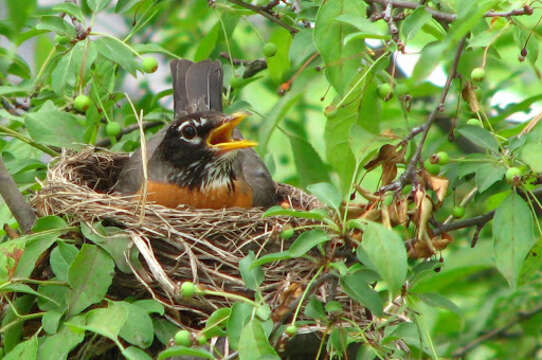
(15, 134)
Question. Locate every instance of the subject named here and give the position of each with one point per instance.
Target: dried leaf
(438, 184)
(470, 97)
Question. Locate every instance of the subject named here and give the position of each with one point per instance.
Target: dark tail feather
(196, 86)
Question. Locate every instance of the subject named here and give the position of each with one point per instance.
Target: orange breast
(171, 196)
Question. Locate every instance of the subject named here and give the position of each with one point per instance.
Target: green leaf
(279, 64)
(479, 136)
(67, 69)
(118, 52)
(251, 275)
(253, 343)
(135, 353)
(36, 244)
(138, 328)
(50, 321)
(315, 309)
(51, 126)
(59, 345)
(164, 329)
(19, 11)
(328, 194)
(239, 316)
(386, 251)
(437, 300)
(272, 257)
(97, 5)
(24, 289)
(488, 174)
(57, 25)
(428, 60)
(184, 351)
(310, 167)
(153, 48)
(27, 350)
(12, 334)
(307, 241)
(316, 214)
(89, 275)
(274, 116)
(356, 285)
(342, 60)
(302, 47)
(414, 23)
(70, 8)
(530, 152)
(113, 240)
(216, 323)
(107, 322)
(61, 258)
(207, 44)
(513, 236)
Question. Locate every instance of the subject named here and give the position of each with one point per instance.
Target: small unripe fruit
(384, 91)
(188, 289)
(183, 338)
(478, 74)
(432, 169)
(474, 122)
(112, 128)
(287, 233)
(81, 103)
(269, 49)
(149, 65)
(202, 339)
(513, 175)
(291, 330)
(458, 212)
(443, 158)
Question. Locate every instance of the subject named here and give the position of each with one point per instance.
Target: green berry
(513, 175)
(478, 74)
(433, 169)
(384, 91)
(188, 289)
(474, 122)
(443, 158)
(287, 233)
(112, 128)
(149, 65)
(291, 330)
(269, 49)
(183, 338)
(81, 103)
(458, 212)
(202, 339)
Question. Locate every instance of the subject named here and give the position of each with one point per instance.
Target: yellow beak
(221, 137)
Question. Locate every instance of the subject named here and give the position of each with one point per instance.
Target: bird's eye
(189, 132)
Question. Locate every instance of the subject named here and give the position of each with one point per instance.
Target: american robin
(200, 159)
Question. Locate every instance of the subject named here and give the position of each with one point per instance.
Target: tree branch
(410, 171)
(448, 17)
(262, 10)
(521, 316)
(15, 201)
(146, 125)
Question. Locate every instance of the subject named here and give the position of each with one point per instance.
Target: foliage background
(327, 125)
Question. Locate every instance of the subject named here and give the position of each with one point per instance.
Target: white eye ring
(189, 133)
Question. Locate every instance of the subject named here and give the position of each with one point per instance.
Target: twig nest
(200, 245)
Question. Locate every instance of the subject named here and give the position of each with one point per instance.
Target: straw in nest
(200, 245)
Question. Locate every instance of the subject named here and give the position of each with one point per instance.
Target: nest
(201, 245)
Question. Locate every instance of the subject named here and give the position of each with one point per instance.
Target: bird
(200, 159)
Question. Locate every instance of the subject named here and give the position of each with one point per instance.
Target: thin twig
(21, 210)
(252, 67)
(146, 125)
(410, 171)
(521, 316)
(265, 13)
(448, 17)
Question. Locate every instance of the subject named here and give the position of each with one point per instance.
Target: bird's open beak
(221, 137)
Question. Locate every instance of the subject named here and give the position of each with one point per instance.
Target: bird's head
(203, 137)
